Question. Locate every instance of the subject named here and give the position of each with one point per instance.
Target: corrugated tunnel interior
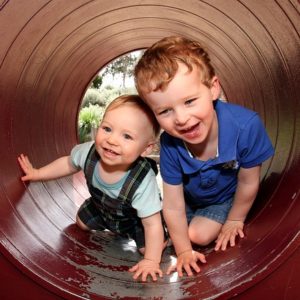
(49, 53)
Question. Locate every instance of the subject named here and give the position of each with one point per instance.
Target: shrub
(89, 120)
(109, 93)
(92, 97)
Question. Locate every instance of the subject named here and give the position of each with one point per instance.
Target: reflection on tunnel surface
(48, 56)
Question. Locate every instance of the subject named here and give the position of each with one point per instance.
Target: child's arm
(248, 184)
(56, 169)
(175, 217)
(154, 240)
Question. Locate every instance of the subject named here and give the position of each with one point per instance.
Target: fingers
(222, 244)
(232, 239)
(178, 268)
(143, 270)
(27, 168)
(188, 264)
(187, 269)
(144, 274)
(218, 244)
(24, 162)
(23, 159)
(171, 269)
(229, 238)
(241, 233)
(25, 178)
(134, 268)
(201, 257)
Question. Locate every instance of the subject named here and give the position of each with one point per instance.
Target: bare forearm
(58, 168)
(154, 240)
(243, 200)
(178, 229)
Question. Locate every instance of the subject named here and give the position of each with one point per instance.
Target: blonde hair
(137, 102)
(159, 64)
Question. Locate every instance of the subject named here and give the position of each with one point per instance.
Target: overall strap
(134, 179)
(90, 163)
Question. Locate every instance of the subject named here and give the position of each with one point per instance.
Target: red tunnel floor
(280, 285)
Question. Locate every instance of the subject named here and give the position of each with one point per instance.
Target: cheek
(99, 136)
(164, 122)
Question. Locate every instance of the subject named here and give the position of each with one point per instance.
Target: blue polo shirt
(242, 142)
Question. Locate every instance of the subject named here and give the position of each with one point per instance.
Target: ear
(148, 149)
(215, 88)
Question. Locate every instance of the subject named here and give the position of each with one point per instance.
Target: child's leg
(81, 225)
(202, 231)
(88, 217)
(205, 223)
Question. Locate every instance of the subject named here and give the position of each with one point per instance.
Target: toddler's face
(124, 134)
(185, 109)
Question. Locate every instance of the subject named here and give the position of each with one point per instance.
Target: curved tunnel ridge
(48, 56)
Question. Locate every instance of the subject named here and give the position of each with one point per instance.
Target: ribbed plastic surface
(51, 50)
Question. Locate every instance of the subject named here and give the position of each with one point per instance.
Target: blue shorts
(215, 212)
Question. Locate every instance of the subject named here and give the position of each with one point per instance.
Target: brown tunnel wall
(51, 50)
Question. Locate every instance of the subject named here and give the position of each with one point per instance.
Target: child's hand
(146, 267)
(229, 231)
(31, 173)
(186, 260)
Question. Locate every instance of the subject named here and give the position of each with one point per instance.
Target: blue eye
(106, 129)
(127, 136)
(190, 101)
(163, 112)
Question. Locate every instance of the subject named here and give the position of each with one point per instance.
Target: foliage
(89, 120)
(123, 65)
(92, 97)
(109, 93)
(96, 83)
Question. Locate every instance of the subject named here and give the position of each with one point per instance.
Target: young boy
(124, 193)
(211, 151)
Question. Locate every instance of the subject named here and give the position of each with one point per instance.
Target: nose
(112, 139)
(181, 117)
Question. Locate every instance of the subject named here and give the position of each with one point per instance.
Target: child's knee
(81, 225)
(199, 236)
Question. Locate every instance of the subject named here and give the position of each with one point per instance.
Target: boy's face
(185, 108)
(124, 134)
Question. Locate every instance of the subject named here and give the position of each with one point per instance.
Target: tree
(123, 65)
(96, 83)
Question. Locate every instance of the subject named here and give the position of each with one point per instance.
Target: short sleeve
(79, 154)
(170, 167)
(254, 145)
(147, 197)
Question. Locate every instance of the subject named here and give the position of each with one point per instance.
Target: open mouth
(190, 132)
(110, 152)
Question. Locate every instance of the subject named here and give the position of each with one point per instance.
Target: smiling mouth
(189, 130)
(110, 152)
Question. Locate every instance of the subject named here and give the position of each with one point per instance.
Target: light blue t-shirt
(146, 199)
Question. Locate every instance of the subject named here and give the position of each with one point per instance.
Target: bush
(109, 93)
(89, 120)
(92, 97)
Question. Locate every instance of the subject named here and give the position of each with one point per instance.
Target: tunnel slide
(50, 51)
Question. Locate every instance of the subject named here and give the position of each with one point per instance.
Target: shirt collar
(227, 142)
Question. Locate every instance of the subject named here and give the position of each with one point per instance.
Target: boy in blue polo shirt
(211, 151)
